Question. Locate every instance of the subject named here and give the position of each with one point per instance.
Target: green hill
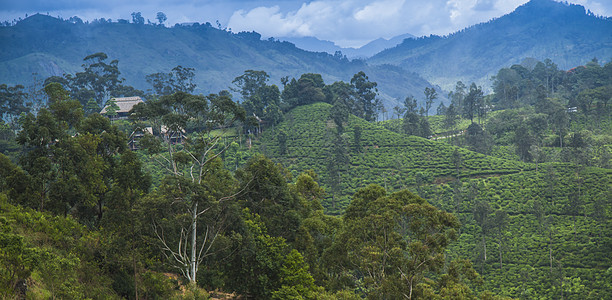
(556, 235)
(556, 238)
(531, 231)
(390, 159)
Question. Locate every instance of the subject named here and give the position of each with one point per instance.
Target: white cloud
(268, 20)
(345, 22)
(598, 7)
(379, 10)
(355, 22)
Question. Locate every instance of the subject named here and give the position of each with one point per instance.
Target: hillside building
(125, 104)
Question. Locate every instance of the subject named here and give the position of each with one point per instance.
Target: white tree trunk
(193, 266)
(484, 244)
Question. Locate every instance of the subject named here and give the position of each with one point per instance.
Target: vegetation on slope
(221, 216)
(383, 157)
(545, 231)
(532, 229)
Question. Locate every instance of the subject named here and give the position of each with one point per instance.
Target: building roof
(125, 104)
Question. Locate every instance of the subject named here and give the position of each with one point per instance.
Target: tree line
(536, 112)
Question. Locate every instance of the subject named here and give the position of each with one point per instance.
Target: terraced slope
(555, 241)
(387, 158)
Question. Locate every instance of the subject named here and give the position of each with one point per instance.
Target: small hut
(125, 104)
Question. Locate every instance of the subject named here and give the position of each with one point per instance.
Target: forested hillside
(41, 46)
(264, 198)
(296, 189)
(539, 210)
(79, 195)
(550, 226)
(370, 154)
(539, 29)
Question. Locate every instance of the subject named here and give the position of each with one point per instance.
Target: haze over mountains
(540, 29)
(365, 51)
(49, 46)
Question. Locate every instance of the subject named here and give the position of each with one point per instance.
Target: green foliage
(17, 260)
(390, 244)
(68, 160)
(365, 93)
(399, 158)
(98, 81)
(545, 226)
(472, 102)
(416, 125)
(58, 275)
(477, 139)
(306, 90)
(45, 255)
(430, 96)
(111, 108)
(195, 293)
(259, 99)
(514, 194)
(158, 286)
(296, 281)
(267, 194)
(542, 222)
(282, 142)
(357, 138)
(12, 104)
(551, 110)
(257, 267)
(180, 79)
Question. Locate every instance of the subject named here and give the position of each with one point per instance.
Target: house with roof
(136, 135)
(122, 108)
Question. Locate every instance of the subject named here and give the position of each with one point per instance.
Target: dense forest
(300, 192)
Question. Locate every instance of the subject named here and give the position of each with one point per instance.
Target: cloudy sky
(348, 23)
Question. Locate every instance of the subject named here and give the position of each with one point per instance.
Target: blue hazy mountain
(50, 46)
(316, 45)
(566, 33)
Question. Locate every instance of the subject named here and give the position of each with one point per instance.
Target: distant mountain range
(566, 33)
(49, 46)
(539, 29)
(313, 44)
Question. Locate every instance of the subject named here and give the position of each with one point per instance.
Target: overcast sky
(348, 23)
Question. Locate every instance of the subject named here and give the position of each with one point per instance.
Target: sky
(348, 23)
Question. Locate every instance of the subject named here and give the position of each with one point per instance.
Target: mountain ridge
(49, 46)
(314, 44)
(566, 33)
